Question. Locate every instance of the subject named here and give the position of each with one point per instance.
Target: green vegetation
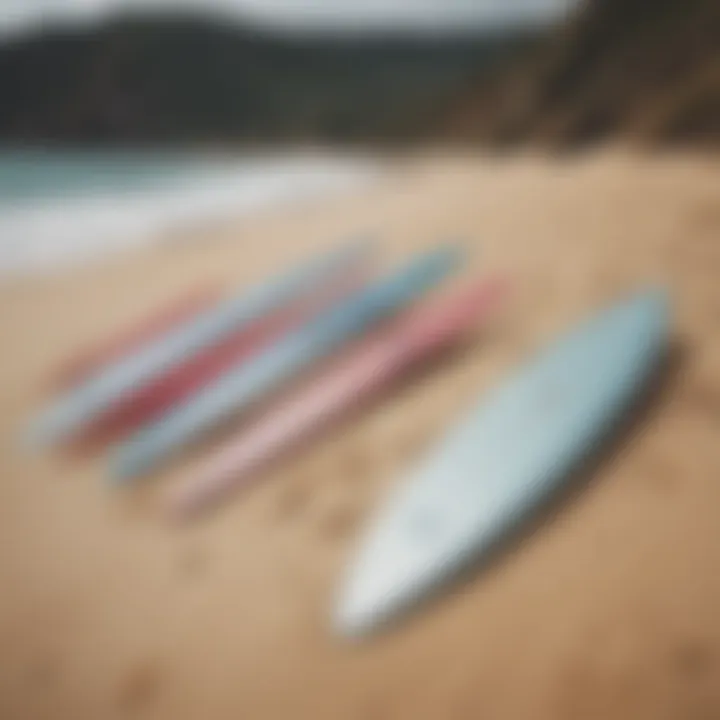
(187, 80)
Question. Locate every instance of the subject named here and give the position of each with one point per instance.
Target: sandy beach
(609, 609)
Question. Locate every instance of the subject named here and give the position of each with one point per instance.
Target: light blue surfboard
(243, 386)
(505, 459)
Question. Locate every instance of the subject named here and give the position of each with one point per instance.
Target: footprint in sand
(193, 562)
(44, 672)
(357, 463)
(140, 687)
(338, 521)
(292, 501)
(694, 658)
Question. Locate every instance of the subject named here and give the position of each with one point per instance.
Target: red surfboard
(152, 400)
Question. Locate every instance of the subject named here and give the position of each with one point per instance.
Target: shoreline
(138, 203)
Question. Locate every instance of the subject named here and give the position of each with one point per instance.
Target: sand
(610, 608)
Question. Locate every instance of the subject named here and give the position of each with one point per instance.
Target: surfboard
(509, 455)
(244, 386)
(78, 407)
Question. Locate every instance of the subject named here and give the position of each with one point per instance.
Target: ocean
(60, 208)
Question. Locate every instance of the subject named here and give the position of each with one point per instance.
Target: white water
(61, 225)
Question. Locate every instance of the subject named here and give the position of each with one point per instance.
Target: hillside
(648, 70)
(189, 80)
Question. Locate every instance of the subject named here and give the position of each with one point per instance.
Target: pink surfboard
(381, 360)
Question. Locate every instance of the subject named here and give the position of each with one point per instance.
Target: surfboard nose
(651, 308)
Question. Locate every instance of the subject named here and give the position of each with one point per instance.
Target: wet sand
(607, 609)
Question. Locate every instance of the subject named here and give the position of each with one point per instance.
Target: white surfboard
(508, 456)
